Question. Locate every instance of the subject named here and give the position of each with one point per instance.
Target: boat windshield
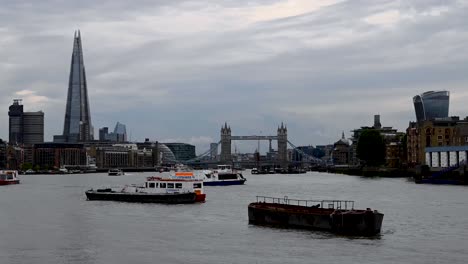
(224, 167)
(7, 176)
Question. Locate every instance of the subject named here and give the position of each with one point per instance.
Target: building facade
(182, 151)
(25, 127)
(139, 155)
(434, 133)
(77, 124)
(446, 156)
(15, 115)
(341, 154)
(33, 127)
(431, 105)
(57, 155)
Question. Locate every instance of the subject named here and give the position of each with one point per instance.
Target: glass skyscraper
(77, 125)
(431, 105)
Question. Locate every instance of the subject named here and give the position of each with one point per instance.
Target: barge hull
(347, 222)
(181, 198)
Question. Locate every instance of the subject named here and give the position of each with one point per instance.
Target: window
(178, 185)
(197, 185)
(162, 185)
(151, 185)
(170, 185)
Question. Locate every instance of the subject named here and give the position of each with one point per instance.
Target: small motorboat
(115, 172)
(8, 177)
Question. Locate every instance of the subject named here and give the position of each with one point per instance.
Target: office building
(431, 105)
(25, 127)
(15, 115)
(33, 127)
(182, 151)
(119, 134)
(77, 125)
(103, 132)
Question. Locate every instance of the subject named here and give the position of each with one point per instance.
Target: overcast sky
(175, 70)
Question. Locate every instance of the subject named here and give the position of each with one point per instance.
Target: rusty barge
(329, 215)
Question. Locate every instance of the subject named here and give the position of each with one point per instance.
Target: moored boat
(8, 177)
(180, 188)
(115, 172)
(330, 215)
(222, 176)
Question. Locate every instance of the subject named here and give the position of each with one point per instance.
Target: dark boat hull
(169, 198)
(9, 182)
(347, 222)
(224, 183)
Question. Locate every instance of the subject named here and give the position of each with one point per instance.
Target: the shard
(77, 126)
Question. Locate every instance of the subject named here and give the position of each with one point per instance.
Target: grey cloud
(185, 85)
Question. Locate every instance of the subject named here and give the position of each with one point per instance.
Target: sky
(177, 70)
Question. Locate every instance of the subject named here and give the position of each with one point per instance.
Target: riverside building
(437, 135)
(57, 155)
(182, 151)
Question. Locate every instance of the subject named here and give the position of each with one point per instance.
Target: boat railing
(326, 204)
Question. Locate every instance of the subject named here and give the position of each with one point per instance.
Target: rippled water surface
(47, 219)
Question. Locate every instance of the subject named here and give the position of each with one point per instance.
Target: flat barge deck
(329, 215)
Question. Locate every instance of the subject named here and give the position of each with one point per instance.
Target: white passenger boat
(180, 187)
(223, 175)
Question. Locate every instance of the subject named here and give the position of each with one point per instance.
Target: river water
(47, 219)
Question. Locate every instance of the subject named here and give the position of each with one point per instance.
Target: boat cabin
(224, 168)
(173, 185)
(8, 175)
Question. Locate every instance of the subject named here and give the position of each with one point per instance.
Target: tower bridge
(226, 151)
(281, 138)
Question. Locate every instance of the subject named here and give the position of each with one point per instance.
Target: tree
(371, 147)
(26, 166)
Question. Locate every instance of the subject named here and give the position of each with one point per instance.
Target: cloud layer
(180, 69)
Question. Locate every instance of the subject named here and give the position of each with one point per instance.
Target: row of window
(169, 185)
(164, 185)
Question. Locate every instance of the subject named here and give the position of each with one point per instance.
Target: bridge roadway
(254, 137)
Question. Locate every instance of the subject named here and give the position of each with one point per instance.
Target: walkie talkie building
(431, 105)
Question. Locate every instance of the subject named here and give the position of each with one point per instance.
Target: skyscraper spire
(77, 125)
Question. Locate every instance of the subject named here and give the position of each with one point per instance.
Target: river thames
(47, 219)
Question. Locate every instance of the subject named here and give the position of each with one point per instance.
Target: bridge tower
(283, 146)
(226, 144)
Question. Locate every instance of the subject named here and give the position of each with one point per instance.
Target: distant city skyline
(175, 72)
